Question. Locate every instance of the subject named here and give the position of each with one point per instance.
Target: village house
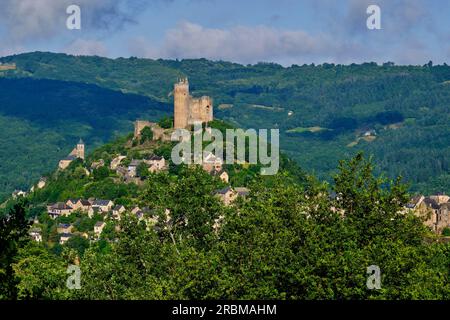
(141, 213)
(79, 204)
(98, 227)
(64, 228)
(132, 168)
(156, 163)
(229, 194)
(434, 210)
(36, 234)
(59, 209)
(117, 212)
(211, 163)
(103, 205)
(64, 237)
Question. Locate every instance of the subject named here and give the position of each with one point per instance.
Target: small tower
(80, 149)
(181, 104)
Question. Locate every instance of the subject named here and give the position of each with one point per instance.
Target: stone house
(98, 227)
(228, 194)
(64, 228)
(117, 212)
(132, 168)
(59, 209)
(211, 163)
(156, 163)
(103, 205)
(64, 237)
(434, 210)
(79, 204)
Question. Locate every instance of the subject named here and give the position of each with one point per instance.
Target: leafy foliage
(284, 241)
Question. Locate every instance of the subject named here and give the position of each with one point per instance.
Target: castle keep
(189, 110)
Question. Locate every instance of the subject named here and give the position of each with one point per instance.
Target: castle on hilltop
(187, 111)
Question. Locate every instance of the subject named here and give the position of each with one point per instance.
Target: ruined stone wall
(139, 125)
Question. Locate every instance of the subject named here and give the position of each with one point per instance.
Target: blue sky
(244, 31)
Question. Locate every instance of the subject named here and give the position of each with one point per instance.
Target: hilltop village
(103, 214)
(131, 171)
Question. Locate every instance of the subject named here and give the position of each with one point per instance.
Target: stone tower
(80, 149)
(181, 104)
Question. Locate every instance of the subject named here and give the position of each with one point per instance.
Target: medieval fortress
(187, 111)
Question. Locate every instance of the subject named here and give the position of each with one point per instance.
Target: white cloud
(241, 43)
(42, 19)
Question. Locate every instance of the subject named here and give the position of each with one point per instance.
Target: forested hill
(400, 114)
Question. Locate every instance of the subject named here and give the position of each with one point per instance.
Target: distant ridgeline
(328, 112)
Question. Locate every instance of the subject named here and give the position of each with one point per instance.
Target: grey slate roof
(223, 191)
(100, 203)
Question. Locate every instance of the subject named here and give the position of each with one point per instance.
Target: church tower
(80, 149)
(181, 104)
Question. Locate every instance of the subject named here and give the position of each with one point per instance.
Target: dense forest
(287, 239)
(398, 114)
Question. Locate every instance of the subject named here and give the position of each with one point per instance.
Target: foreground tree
(13, 235)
